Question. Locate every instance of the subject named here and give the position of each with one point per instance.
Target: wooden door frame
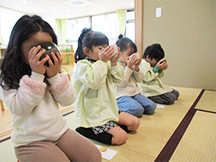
(138, 8)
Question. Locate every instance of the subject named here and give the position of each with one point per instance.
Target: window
(107, 24)
(130, 26)
(7, 20)
(74, 29)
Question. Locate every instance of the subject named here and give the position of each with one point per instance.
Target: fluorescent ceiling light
(79, 3)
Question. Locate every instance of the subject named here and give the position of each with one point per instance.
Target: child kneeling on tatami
(153, 69)
(33, 91)
(129, 97)
(96, 110)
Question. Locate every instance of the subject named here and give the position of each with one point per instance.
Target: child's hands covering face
(33, 59)
(114, 63)
(106, 53)
(133, 61)
(137, 64)
(54, 67)
(162, 65)
(39, 67)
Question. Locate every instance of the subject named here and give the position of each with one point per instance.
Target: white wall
(8, 18)
(187, 32)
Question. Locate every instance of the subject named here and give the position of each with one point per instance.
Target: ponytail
(79, 54)
(119, 37)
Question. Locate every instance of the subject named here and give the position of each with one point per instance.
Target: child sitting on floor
(129, 97)
(32, 92)
(96, 110)
(153, 69)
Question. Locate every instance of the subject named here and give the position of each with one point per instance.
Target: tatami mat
(127, 152)
(153, 134)
(5, 124)
(208, 101)
(155, 130)
(7, 152)
(199, 141)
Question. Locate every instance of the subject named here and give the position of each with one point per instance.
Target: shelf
(68, 58)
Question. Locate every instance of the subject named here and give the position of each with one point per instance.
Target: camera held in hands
(49, 47)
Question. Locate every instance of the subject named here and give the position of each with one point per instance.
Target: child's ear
(148, 58)
(86, 51)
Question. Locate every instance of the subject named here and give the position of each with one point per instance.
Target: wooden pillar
(138, 8)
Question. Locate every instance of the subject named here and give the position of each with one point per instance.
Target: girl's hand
(33, 59)
(54, 66)
(114, 63)
(137, 64)
(106, 53)
(131, 61)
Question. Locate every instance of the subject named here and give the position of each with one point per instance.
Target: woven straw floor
(199, 141)
(208, 101)
(182, 132)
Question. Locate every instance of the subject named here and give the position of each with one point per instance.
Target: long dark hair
(13, 65)
(87, 39)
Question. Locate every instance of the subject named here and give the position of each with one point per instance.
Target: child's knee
(151, 108)
(171, 101)
(176, 93)
(120, 138)
(138, 112)
(135, 124)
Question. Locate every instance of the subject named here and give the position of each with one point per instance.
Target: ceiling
(60, 9)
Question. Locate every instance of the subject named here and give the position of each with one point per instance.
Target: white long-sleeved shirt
(34, 107)
(128, 86)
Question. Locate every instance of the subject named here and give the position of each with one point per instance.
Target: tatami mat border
(68, 113)
(5, 139)
(206, 111)
(174, 140)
